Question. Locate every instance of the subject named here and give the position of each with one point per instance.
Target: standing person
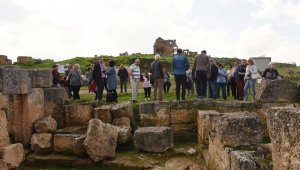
(180, 65)
(190, 81)
(239, 78)
(135, 75)
(75, 77)
(271, 73)
(221, 80)
(158, 77)
(228, 85)
(231, 80)
(167, 81)
(123, 75)
(212, 80)
(250, 77)
(202, 66)
(56, 76)
(147, 86)
(112, 82)
(98, 76)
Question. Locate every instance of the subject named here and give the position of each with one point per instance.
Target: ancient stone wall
(164, 47)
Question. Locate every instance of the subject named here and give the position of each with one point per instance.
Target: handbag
(111, 97)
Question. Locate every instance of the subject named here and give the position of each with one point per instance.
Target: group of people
(206, 76)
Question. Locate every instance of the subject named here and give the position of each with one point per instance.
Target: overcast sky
(61, 29)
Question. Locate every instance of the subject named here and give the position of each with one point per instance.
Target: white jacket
(254, 72)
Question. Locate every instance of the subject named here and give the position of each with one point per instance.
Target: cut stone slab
(13, 155)
(181, 164)
(101, 140)
(68, 144)
(238, 129)
(4, 137)
(123, 121)
(103, 113)
(153, 139)
(45, 125)
(243, 160)
(125, 131)
(14, 80)
(184, 131)
(284, 129)
(183, 116)
(159, 118)
(78, 114)
(41, 143)
(73, 130)
(206, 120)
(41, 78)
(3, 165)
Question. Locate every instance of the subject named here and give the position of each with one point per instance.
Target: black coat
(123, 74)
(97, 72)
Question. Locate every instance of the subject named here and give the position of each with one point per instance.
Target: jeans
(100, 87)
(123, 83)
(201, 83)
(212, 84)
(233, 88)
(180, 83)
(147, 91)
(223, 87)
(135, 88)
(240, 86)
(75, 90)
(158, 85)
(167, 86)
(250, 83)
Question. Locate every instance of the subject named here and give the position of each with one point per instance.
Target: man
(239, 78)
(56, 76)
(180, 65)
(212, 80)
(202, 66)
(157, 76)
(98, 76)
(135, 75)
(123, 75)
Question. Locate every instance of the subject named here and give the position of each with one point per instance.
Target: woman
(112, 82)
(76, 78)
(167, 82)
(147, 86)
(250, 77)
(271, 73)
(231, 80)
(221, 82)
(190, 82)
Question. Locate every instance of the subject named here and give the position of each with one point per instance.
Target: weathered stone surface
(235, 104)
(73, 130)
(267, 151)
(41, 143)
(123, 121)
(124, 109)
(243, 160)
(13, 155)
(78, 115)
(68, 143)
(14, 80)
(3, 165)
(41, 78)
(238, 129)
(103, 113)
(278, 90)
(184, 131)
(153, 107)
(183, 116)
(101, 140)
(3, 119)
(284, 129)
(124, 135)
(45, 125)
(54, 104)
(206, 120)
(159, 118)
(4, 137)
(181, 164)
(153, 139)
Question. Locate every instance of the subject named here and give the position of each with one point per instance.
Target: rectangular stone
(41, 78)
(67, 143)
(160, 118)
(78, 114)
(243, 160)
(13, 155)
(183, 116)
(103, 113)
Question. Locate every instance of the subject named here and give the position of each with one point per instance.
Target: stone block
(68, 143)
(153, 139)
(41, 78)
(14, 80)
(103, 113)
(123, 121)
(159, 118)
(41, 143)
(45, 125)
(12, 155)
(78, 114)
(243, 160)
(3, 165)
(184, 131)
(284, 130)
(73, 130)
(183, 116)
(4, 137)
(124, 109)
(125, 130)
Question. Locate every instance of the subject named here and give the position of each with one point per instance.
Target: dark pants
(222, 86)
(75, 90)
(105, 84)
(212, 84)
(167, 86)
(201, 83)
(180, 83)
(100, 87)
(228, 85)
(147, 92)
(233, 88)
(240, 86)
(112, 96)
(123, 83)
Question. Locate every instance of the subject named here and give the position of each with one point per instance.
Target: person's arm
(264, 74)
(94, 72)
(187, 64)
(173, 63)
(131, 72)
(118, 72)
(208, 68)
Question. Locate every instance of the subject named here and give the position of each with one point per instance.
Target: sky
(62, 29)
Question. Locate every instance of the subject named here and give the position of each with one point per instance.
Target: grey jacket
(75, 78)
(112, 82)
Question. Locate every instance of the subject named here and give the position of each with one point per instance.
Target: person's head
(100, 59)
(250, 62)
(111, 63)
(137, 62)
(220, 65)
(243, 62)
(179, 51)
(157, 57)
(271, 66)
(76, 67)
(121, 66)
(203, 52)
(55, 67)
(70, 67)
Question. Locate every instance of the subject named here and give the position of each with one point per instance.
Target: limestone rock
(238, 129)
(45, 125)
(124, 135)
(159, 118)
(3, 165)
(68, 143)
(4, 137)
(13, 155)
(278, 90)
(243, 160)
(73, 130)
(103, 113)
(41, 78)
(101, 140)
(3, 119)
(153, 139)
(122, 110)
(284, 129)
(181, 164)
(78, 114)
(186, 131)
(123, 121)
(183, 116)
(14, 80)
(41, 143)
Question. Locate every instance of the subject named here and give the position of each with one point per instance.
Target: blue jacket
(180, 64)
(112, 82)
(222, 75)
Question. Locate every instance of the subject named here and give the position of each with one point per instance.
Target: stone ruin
(194, 134)
(164, 47)
(4, 60)
(24, 59)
